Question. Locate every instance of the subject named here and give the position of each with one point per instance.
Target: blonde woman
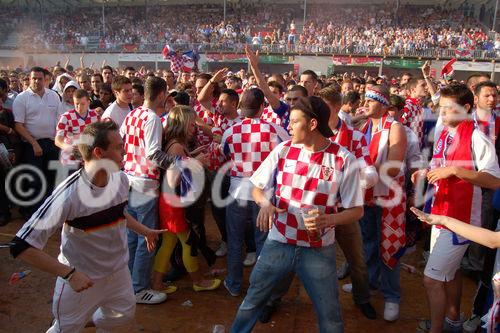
(180, 129)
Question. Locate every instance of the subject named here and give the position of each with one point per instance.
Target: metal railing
(284, 49)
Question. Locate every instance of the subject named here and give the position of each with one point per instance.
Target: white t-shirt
(116, 113)
(94, 230)
(38, 114)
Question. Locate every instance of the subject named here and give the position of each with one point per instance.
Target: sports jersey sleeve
(62, 126)
(281, 132)
(350, 185)
(47, 219)
(485, 157)
(152, 137)
(263, 176)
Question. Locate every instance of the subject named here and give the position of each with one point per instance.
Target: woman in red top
(180, 128)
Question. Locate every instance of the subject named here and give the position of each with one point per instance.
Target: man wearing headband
(383, 224)
(309, 178)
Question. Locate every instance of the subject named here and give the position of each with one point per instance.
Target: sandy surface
(26, 307)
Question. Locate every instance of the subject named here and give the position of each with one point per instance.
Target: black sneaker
(368, 310)
(267, 313)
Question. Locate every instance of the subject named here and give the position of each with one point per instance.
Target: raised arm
(253, 59)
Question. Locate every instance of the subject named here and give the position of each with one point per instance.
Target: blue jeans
(315, 268)
(379, 274)
(143, 208)
(240, 213)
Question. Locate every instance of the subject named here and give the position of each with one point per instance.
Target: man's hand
(420, 174)
(151, 236)
(266, 217)
(220, 75)
(318, 223)
(440, 173)
(37, 150)
(426, 69)
(80, 281)
(253, 58)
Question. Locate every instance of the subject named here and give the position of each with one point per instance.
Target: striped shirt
(94, 234)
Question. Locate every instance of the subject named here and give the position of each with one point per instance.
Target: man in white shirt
(119, 109)
(93, 284)
(35, 114)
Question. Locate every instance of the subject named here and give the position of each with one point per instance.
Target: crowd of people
(386, 29)
(289, 164)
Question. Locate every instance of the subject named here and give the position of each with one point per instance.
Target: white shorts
(109, 303)
(445, 257)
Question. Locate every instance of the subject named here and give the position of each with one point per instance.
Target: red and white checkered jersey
(217, 158)
(207, 117)
(69, 127)
(134, 135)
(354, 141)
(248, 143)
(271, 117)
(302, 178)
(413, 117)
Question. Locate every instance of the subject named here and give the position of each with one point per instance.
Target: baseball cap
(316, 108)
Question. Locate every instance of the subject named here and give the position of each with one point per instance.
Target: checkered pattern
(177, 62)
(271, 117)
(217, 158)
(304, 179)
(354, 141)
(413, 117)
(207, 117)
(69, 127)
(136, 162)
(393, 225)
(247, 144)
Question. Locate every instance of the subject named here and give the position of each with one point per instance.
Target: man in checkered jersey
(247, 144)
(71, 124)
(93, 286)
(308, 171)
(142, 133)
(413, 113)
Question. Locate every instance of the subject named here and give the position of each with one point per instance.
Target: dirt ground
(26, 307)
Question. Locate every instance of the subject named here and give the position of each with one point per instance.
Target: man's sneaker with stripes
(149, 296)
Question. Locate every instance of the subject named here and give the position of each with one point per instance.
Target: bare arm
(253, 59)
(397, 147)
(478, 235)
(426, 71)
(267, 210)
(23, 132)
(478, 178)
(44, 262)
(205, 95)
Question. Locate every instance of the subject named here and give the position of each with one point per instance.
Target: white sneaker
(222, 250)
(250, 259)
(391, 311)
(150, 296)
(471, 324)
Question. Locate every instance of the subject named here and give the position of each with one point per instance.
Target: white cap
(71, 84)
